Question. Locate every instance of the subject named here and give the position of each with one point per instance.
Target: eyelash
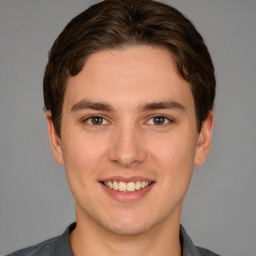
(167, 120)
(86, 120)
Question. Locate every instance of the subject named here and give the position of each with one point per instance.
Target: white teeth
(138, 185)
(126, 187)
(122, 186)
(130, 186)
(115, 185)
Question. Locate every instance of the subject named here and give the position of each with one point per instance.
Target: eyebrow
(162, 105)
(84, 104)
(81, 105)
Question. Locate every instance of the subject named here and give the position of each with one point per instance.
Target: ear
(204, 140)
(54, 139)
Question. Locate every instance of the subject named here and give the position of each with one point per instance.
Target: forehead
(134, 74)
(138, 61)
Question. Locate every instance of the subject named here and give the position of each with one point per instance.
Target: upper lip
(126, 179)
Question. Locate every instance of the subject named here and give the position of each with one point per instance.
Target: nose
(127, 146)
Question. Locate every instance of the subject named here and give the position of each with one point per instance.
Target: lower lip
(127, 196)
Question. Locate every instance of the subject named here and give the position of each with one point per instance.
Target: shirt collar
(188, 248)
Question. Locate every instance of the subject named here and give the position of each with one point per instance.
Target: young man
(128, 91)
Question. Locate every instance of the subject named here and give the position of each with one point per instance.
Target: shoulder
(56, 246)
(205, 252)
(43, 248)
(189, 249)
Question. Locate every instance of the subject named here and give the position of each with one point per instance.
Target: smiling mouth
(126, 186)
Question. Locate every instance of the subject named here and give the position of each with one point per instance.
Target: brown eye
(96, 120)
(159, 120)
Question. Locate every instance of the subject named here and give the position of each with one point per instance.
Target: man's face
(129, 140)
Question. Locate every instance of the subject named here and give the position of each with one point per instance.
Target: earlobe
(54, 139)
(204, 140)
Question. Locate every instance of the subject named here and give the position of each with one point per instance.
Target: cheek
(174, 156)
(79, 147)
(82, 156)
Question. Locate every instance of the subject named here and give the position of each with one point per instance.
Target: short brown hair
(113, 24)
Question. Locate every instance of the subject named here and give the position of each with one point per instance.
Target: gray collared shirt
(59, 246)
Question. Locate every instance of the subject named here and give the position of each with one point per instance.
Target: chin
(131, 229)
(129, 226)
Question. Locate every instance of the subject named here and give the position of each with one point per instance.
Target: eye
(96, 120)
(159, 120)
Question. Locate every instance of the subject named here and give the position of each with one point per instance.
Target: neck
(89, 238)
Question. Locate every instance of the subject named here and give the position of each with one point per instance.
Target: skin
(129, 142)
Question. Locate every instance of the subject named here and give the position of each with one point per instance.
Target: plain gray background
(35, 203)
